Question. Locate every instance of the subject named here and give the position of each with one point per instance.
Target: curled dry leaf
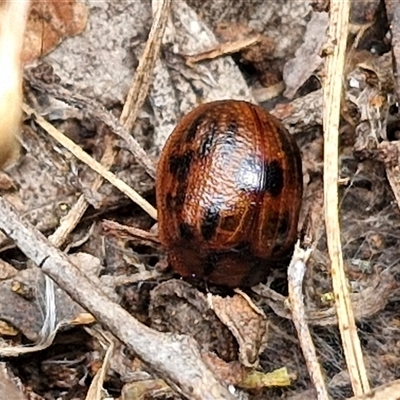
(49, 23)
(246, 322)
(389, 153)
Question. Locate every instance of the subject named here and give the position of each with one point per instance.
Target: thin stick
(338, 29)
(79, 208)
(145, 68)
(176, 358)
(92, 163)
(130, 106)
(71, 220)
(223, 49)
(97, 112)
(296, 271)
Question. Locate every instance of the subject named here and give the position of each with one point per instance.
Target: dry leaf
(246, 322)
(49, 23)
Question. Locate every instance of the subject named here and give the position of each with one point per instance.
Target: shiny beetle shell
(229, 188)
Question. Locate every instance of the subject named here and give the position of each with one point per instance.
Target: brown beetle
(229, 188)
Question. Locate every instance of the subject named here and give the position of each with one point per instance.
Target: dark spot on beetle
(292, 160)
(208, 141)
(210, 222)
(185, 231)
(179, 166)
(193, 127)
(272, 180)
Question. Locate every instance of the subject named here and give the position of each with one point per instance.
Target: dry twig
(332, 94)
(176, 358)
(140, 87)
(130, 231)
(70, 221)
(296, 273)
(92, 163)
(222, 49)
(96, 111)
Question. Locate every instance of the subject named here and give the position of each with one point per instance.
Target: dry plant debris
(49, 23)
(112, 89)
